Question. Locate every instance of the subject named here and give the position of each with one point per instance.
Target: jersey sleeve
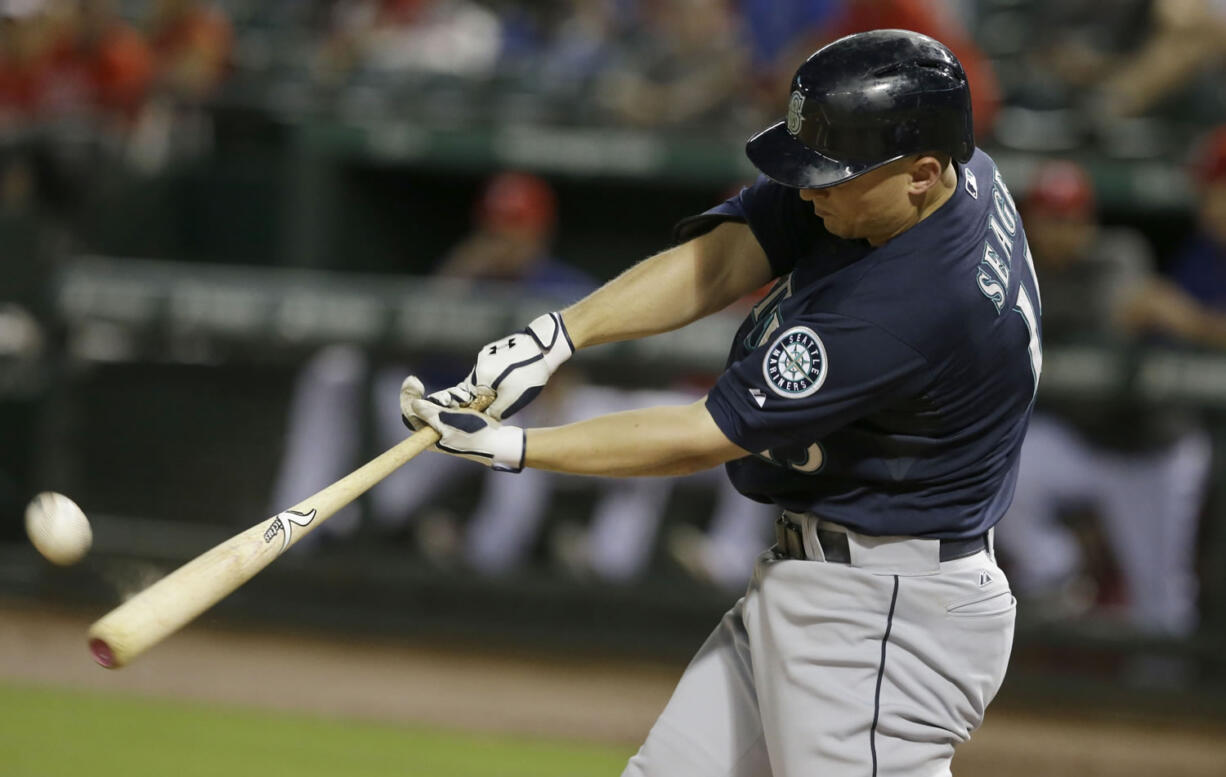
(811, 379)
(784, 225)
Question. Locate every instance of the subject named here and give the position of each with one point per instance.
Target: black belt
(789, 543)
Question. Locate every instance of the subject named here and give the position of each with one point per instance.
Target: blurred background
(229, 229)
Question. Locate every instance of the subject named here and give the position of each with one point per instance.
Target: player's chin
(836, 227)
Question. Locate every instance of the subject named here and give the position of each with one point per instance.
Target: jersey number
(1031, 317)
(996, 267)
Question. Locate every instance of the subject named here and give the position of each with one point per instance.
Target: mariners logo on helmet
(795, 364)
(795, 117)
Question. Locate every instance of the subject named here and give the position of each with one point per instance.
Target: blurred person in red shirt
(38, 78)
(191, 42)
(24, 59)
(62, 59)
(111, 59)
(935, 19)
(513, 227)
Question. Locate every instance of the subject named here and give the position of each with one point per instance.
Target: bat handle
(484, 396)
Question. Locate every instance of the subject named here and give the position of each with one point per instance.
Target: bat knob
(482, 399)
(102, 653)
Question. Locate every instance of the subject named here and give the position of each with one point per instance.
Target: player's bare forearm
(672, 288)
(666, 440)
(1158, 305)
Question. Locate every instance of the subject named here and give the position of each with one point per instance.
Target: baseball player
(878, 396)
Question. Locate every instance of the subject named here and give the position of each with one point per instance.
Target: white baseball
(58, 528)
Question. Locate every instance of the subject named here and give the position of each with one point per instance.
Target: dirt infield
(612, 701)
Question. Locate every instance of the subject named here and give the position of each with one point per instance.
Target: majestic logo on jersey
(795, 364)
(972, 183)
(795, 117)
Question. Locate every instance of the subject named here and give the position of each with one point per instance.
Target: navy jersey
(887, 389)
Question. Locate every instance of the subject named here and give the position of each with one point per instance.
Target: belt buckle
(789, 542)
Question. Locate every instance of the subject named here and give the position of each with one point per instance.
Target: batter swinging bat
(166, 606)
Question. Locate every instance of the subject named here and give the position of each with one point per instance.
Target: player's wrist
(550, 333)
(508, 445)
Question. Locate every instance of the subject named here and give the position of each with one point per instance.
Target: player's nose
(810, 195)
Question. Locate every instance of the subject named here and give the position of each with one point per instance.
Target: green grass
(54, 733)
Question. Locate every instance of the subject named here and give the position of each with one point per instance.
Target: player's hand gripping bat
(166, 606)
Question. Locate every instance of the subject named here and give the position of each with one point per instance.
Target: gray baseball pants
(875, 668)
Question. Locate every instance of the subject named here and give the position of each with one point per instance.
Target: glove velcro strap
(516, 444)
(550, 334)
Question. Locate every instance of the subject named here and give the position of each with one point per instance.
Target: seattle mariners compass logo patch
(795, 364)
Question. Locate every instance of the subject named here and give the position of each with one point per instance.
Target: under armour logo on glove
(510, 343)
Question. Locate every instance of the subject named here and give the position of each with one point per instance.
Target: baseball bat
(169, 604)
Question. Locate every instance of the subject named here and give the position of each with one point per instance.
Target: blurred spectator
(427, 37)
(27, 59)
(191, 41)
(775, 27)
(1187, 37)
(582, 44)
(514, 223)
(1078, 42)
(687, 64)
(1142, 469)
(107, 62)
(1200, 266)
(1134, 52)
(70, 59)
(68, 66)
(780, 34)
(937, 20)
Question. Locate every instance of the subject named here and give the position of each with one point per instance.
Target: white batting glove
(412, 388)
(515, 367)
(472, 435)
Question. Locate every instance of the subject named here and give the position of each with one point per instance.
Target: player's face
(875, 206)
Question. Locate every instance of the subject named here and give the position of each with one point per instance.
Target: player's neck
(923, 205)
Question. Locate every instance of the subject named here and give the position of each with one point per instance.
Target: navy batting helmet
(864, 101)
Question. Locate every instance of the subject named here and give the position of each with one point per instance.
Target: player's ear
(926, 172)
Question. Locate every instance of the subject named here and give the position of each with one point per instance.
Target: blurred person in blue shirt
(687, 62)
(1200, 266)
